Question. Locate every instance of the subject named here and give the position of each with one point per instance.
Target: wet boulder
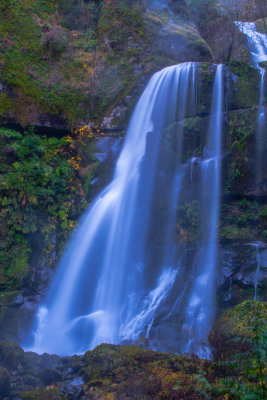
(103, 359)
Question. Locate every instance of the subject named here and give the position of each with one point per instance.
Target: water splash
(141, 324)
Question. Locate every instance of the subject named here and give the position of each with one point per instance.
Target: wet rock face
(22, 371)
(107, 148)
(240, 262)
(18, 310)
(242, 273)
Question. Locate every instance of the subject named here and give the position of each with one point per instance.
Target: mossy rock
(31, 380)
(238, 164)
(11, 354)
(131, 372)
(176, 39)
(106, 358)
(245, 85)
(49, 376)
(43, 394)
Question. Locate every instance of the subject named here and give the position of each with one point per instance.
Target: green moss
(246, 93)
(239, 168)
(242, 219)
(63, 59)
(206, 79)
(244, 322)
(34, 56)
(132, 372)
(43, 394)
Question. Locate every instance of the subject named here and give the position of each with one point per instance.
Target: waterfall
(258, 49)
(102, 269)
(125, 275)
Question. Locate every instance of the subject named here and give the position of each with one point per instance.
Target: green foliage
(36, 190)
(247, 78)
(244, 219)
(243, 351)
(35, 52)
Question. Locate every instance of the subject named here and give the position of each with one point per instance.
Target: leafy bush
(41, 194)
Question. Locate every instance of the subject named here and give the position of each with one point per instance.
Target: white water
(200, 310)
(110, 286)
(257, 41)
(134, 329)
(258, 48)
(101, 272)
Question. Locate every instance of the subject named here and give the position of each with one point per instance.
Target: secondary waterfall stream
(114, 284)
(258, 49)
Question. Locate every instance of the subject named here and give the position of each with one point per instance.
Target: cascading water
(258, 48)
(140, 322)
(124, 275)
(100, 278)
(200, 310)
(257, 41)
